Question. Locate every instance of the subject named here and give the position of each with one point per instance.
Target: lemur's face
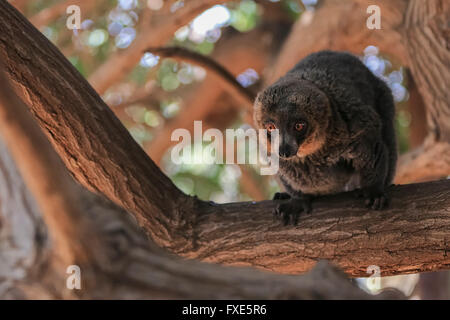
(301, 113)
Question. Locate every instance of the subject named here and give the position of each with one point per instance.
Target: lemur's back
(332, 71)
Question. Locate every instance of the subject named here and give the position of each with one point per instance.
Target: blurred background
(153, 95)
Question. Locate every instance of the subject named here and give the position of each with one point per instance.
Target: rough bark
(434, 286)
(353, 237)
(428, 162)
(46, 176)
(80, 125)
(426, 36)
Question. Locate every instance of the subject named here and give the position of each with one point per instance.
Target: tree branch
(46, 176)
(83, 135)
(412, 235)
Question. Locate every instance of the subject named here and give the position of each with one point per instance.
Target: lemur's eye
(270, 127)
(300, 126)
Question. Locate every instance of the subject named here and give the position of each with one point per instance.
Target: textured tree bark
(426, 36)
(428, 162)
(102, 156)
(126, 265)
(434, 286)
(418, 128)
(220, 74)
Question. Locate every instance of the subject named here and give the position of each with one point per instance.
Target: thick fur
(350, 139)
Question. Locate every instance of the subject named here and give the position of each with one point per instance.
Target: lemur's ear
(257, 111)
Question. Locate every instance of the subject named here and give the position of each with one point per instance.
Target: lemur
(336, 129)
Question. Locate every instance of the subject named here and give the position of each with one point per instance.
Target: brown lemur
(336, 131)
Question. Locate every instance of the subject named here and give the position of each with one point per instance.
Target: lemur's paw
(281, 196)
(358, 194)
(290, 211)
(376, 200)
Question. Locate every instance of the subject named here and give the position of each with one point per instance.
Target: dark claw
(375, 200)
(281, 196)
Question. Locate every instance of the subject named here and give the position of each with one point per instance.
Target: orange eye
(300, 126)
(270, 127)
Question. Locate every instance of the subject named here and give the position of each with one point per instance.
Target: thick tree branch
(46, 176)
(411, 236)
(408, 30)
(125, 264)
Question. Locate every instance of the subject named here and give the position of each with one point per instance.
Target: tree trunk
(425, 33)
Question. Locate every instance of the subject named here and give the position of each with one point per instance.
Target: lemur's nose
(284, 152)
